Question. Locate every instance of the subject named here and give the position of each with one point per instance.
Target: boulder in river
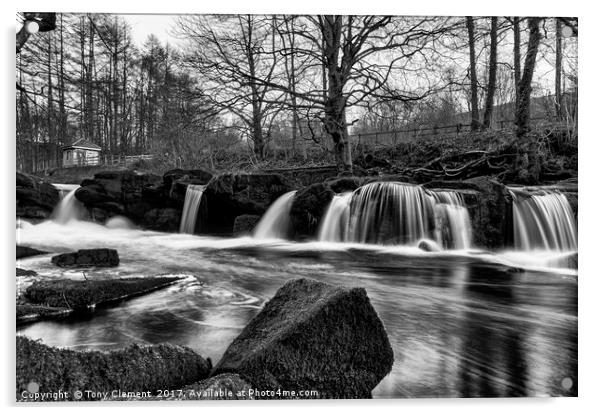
(101, 257)
(244, 224)
(84, 294)
(36, 198)
(135, 369)
(26, 251)
(313, 336)
(428, 245)
(309, 205)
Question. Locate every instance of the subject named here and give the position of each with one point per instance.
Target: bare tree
(355, 57)
(523, 96)
(234, 57)
(517, 54)
(491, 83)
(558, 70)
(474, 84)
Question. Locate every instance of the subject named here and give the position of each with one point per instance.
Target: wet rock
(133, 369)
(313, 336)
(491, 217)
(84, 294)
(102, 257)
(344, 184)
(244, 224)
(177, 180)
(489, 206)
(230, 195)
(429, 246)
(308, 208)
(139, 196)
(25, 251)
(163, 219)
(36, 198)
(25, 273)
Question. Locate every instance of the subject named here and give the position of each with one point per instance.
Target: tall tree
(491, 83)
(474, 84)
(516, 54)
(523, 99)
(235, 57)
(558, 70)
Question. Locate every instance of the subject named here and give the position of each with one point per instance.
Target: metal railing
(381, 139)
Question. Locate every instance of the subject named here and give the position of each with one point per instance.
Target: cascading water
(69, 208)
(396, 213)
(335, 225)
(453, 229)
(276, 221)
(543, 221)
(194, 194)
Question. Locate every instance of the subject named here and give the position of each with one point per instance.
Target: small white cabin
(81, 153)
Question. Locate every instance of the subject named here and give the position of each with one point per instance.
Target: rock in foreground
(88, 258)
(133, 369)
(77, 294)
(25, 251)
(313, 336)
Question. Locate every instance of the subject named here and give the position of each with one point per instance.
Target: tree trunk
(524, 94)
(492, 76)
(517, 65)
(90, 110)
(558, 78)
(257, 133)
(474, 93)
(62, 112)
(334, 108)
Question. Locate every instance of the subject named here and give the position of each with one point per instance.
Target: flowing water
(543, 221)
(69, 208)
(397, 213)
(461, 323)
(276, 221)
(194, 194)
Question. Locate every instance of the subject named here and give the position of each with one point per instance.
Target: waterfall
(194, 193)
(69, 208)
(453, 229)
(335, 224)
(276, 221)
(397, 213)
(543, 221)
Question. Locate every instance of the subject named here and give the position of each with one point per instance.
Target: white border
(590, 149)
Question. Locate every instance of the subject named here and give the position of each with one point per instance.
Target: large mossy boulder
(230, 195)
(101, 257)
(313, 336)
(36, 198)
(308, 208)
(133, 369)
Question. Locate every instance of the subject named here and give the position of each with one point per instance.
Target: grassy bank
(133, 369)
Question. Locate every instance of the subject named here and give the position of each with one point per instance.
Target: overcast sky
(158, 24)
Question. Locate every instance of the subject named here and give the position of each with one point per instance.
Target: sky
(158, 24)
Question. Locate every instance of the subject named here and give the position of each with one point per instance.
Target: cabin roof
(81, 143)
